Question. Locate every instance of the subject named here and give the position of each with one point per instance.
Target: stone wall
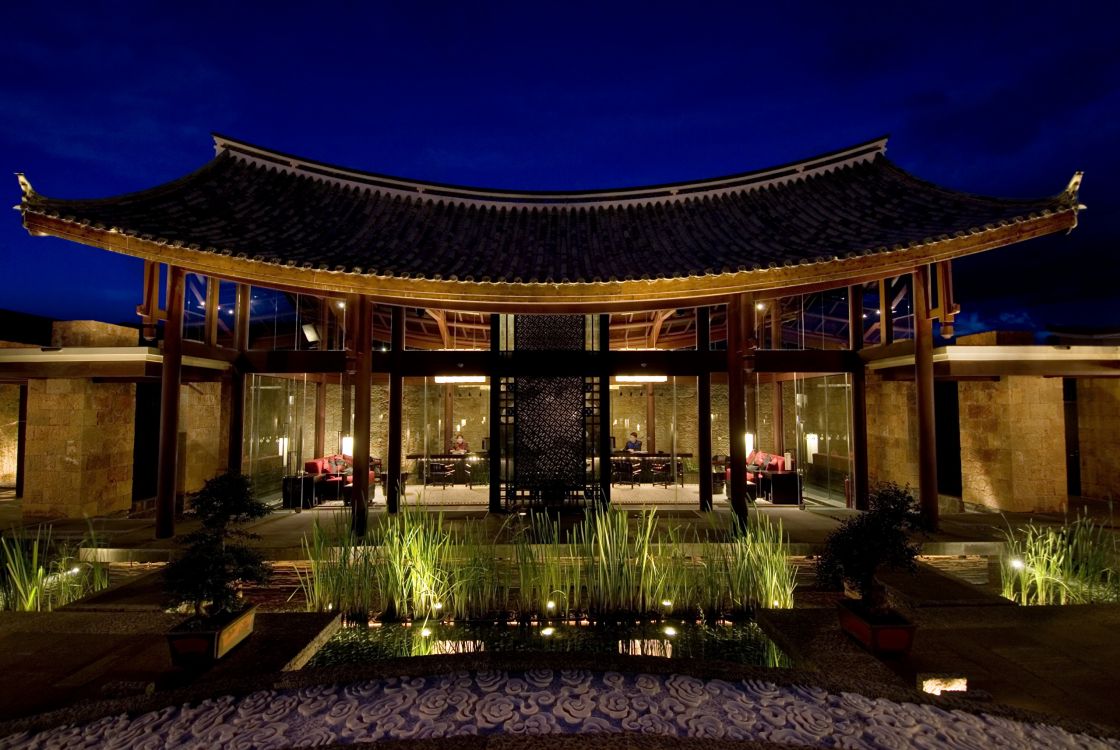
(1098, 422)
(200, 412)
(9, 433)
(1013, 444)
(92, 333)
(892, 431)
(79, 448)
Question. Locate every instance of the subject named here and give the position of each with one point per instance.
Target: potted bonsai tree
(862, 546)
(209, 573)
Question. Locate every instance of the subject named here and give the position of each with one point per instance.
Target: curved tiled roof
(253, 206)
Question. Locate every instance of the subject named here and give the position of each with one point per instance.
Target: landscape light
(670, 631)
(547, 631)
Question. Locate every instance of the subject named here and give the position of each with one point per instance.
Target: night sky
(998, 99)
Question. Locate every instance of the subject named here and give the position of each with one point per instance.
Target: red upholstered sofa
(334, 476)
(761, 461)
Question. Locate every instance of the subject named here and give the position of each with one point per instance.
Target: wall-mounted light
(748, 441)
(641, 378)
(347, 445)
(460, 378)
(812, 444)
(282, 444)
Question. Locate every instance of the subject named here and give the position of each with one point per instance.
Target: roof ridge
(752, 180)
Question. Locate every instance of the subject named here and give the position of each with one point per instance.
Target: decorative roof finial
(25, 186)
(1074, 185)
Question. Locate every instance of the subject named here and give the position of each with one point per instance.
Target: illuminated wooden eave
(558, 297)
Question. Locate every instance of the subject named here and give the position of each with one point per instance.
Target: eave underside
(571, 298)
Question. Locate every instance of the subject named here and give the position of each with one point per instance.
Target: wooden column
(170, 379)
(494, 457)
(321, 417)
(359, 497)
(234, 458)
(446, 396)
(651, 418)
(321, 385)
(736, 404)
(704, 410)
(777, 414)
(604, 451)
(393, 487)
(211, 334)
(859, 479)
(750, 380)
(886, 313)
(21, 439)
(923, 377)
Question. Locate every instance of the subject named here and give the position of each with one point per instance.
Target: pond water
(743, 643)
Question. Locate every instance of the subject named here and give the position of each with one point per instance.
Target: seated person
(459, 445)
(633, 444)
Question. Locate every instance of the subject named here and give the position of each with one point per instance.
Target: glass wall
(664, 415)
(445, 438)
(818, 409)
(284, 321)
(291, 419)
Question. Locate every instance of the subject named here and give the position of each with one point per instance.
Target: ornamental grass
(611, 565)
(1076, 563)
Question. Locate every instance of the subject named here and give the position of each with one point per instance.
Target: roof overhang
(964, 362)
(116, 362)
(559, 297)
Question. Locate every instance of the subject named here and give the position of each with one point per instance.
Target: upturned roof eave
(557, 297)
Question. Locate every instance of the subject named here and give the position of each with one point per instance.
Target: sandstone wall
(200, 413)
(1098, 421)
(92, 333)
(9, 433)
(892, 431)
(1013, 444)
(79, 448)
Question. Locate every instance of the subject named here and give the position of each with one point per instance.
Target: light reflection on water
(744, 643)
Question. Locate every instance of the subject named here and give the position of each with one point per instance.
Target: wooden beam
(360, 491)
(659, 319)
(736, 403)
(393, 485)
(605, 448)
(211, 335)
(495, 457)
(166, 484)
(440, 317)
(860, 473)
(704, 412)
(923, 375)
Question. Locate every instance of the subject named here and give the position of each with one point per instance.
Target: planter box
(203, 640)
(889, 633)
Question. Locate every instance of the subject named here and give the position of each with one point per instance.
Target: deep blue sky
(1001, 99)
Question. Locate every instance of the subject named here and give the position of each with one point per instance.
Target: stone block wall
(79, 448)
(9, 433)
(1013, 444)
(200, 413)
(892, 431)
(1098, 422)
(92, 333)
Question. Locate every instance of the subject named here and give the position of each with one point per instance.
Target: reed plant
(479, 582)
(38, 573)
(1076, 563)
(611, 565)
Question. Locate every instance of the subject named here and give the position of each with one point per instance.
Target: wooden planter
(886, 633)
(202, 640)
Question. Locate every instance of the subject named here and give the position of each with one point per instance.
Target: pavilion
(724, 314)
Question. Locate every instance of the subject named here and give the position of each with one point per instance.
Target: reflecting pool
(743, 643)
